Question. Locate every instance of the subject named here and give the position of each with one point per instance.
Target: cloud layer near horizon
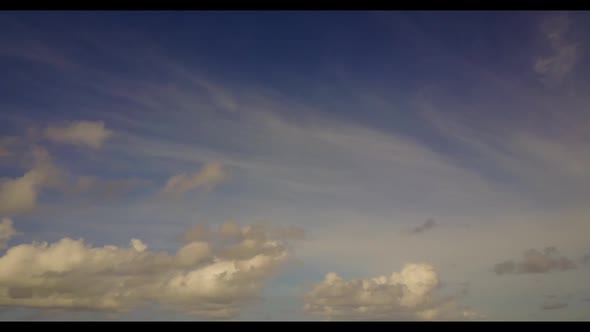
(405, 295)
(209, 279)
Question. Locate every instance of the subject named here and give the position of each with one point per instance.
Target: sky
(294, 165)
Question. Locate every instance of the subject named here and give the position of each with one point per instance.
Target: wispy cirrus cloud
(209, 176)
(555, 67)
(292, 159)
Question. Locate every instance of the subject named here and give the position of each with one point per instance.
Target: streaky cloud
(209, 176)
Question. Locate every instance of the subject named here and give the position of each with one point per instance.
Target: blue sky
(352, 128)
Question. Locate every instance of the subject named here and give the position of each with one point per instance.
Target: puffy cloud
(83, 133)
(19, 195)
(428, 224)
(405, 295)
(6, 232)
(202, 278)
(535, 261)
(208, 177)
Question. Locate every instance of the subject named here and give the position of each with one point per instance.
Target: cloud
(198, 232)
(6, 232)
(544, 166)
(586, 259)
(556, 66)
(19, 195)
(536, 262)
(405, 295)
(5, 144)
(83, 133)
(428, 224)
(209, 279)
(552, 305)
(209, 176)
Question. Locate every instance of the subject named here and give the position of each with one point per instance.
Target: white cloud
(6, 232)
(208, 177)
(83, 133)
(405, 295)
(207, 279)
(19, 195)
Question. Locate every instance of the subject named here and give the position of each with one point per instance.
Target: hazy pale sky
(294, 165)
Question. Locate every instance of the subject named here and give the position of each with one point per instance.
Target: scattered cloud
(427, 225)
(6, 232)
(209, 176)
(19, 195)
(552, 305)
(82, 133)
(405, 295)
(209, 279)
(556, 66)
(535, 261)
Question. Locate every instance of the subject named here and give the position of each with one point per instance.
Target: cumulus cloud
(428, 224)
(209, 176)
(83, 133)
(208, 279)
(564, 56)
(19, 195)
(535, 261)
(405, 295)
(6, 232)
